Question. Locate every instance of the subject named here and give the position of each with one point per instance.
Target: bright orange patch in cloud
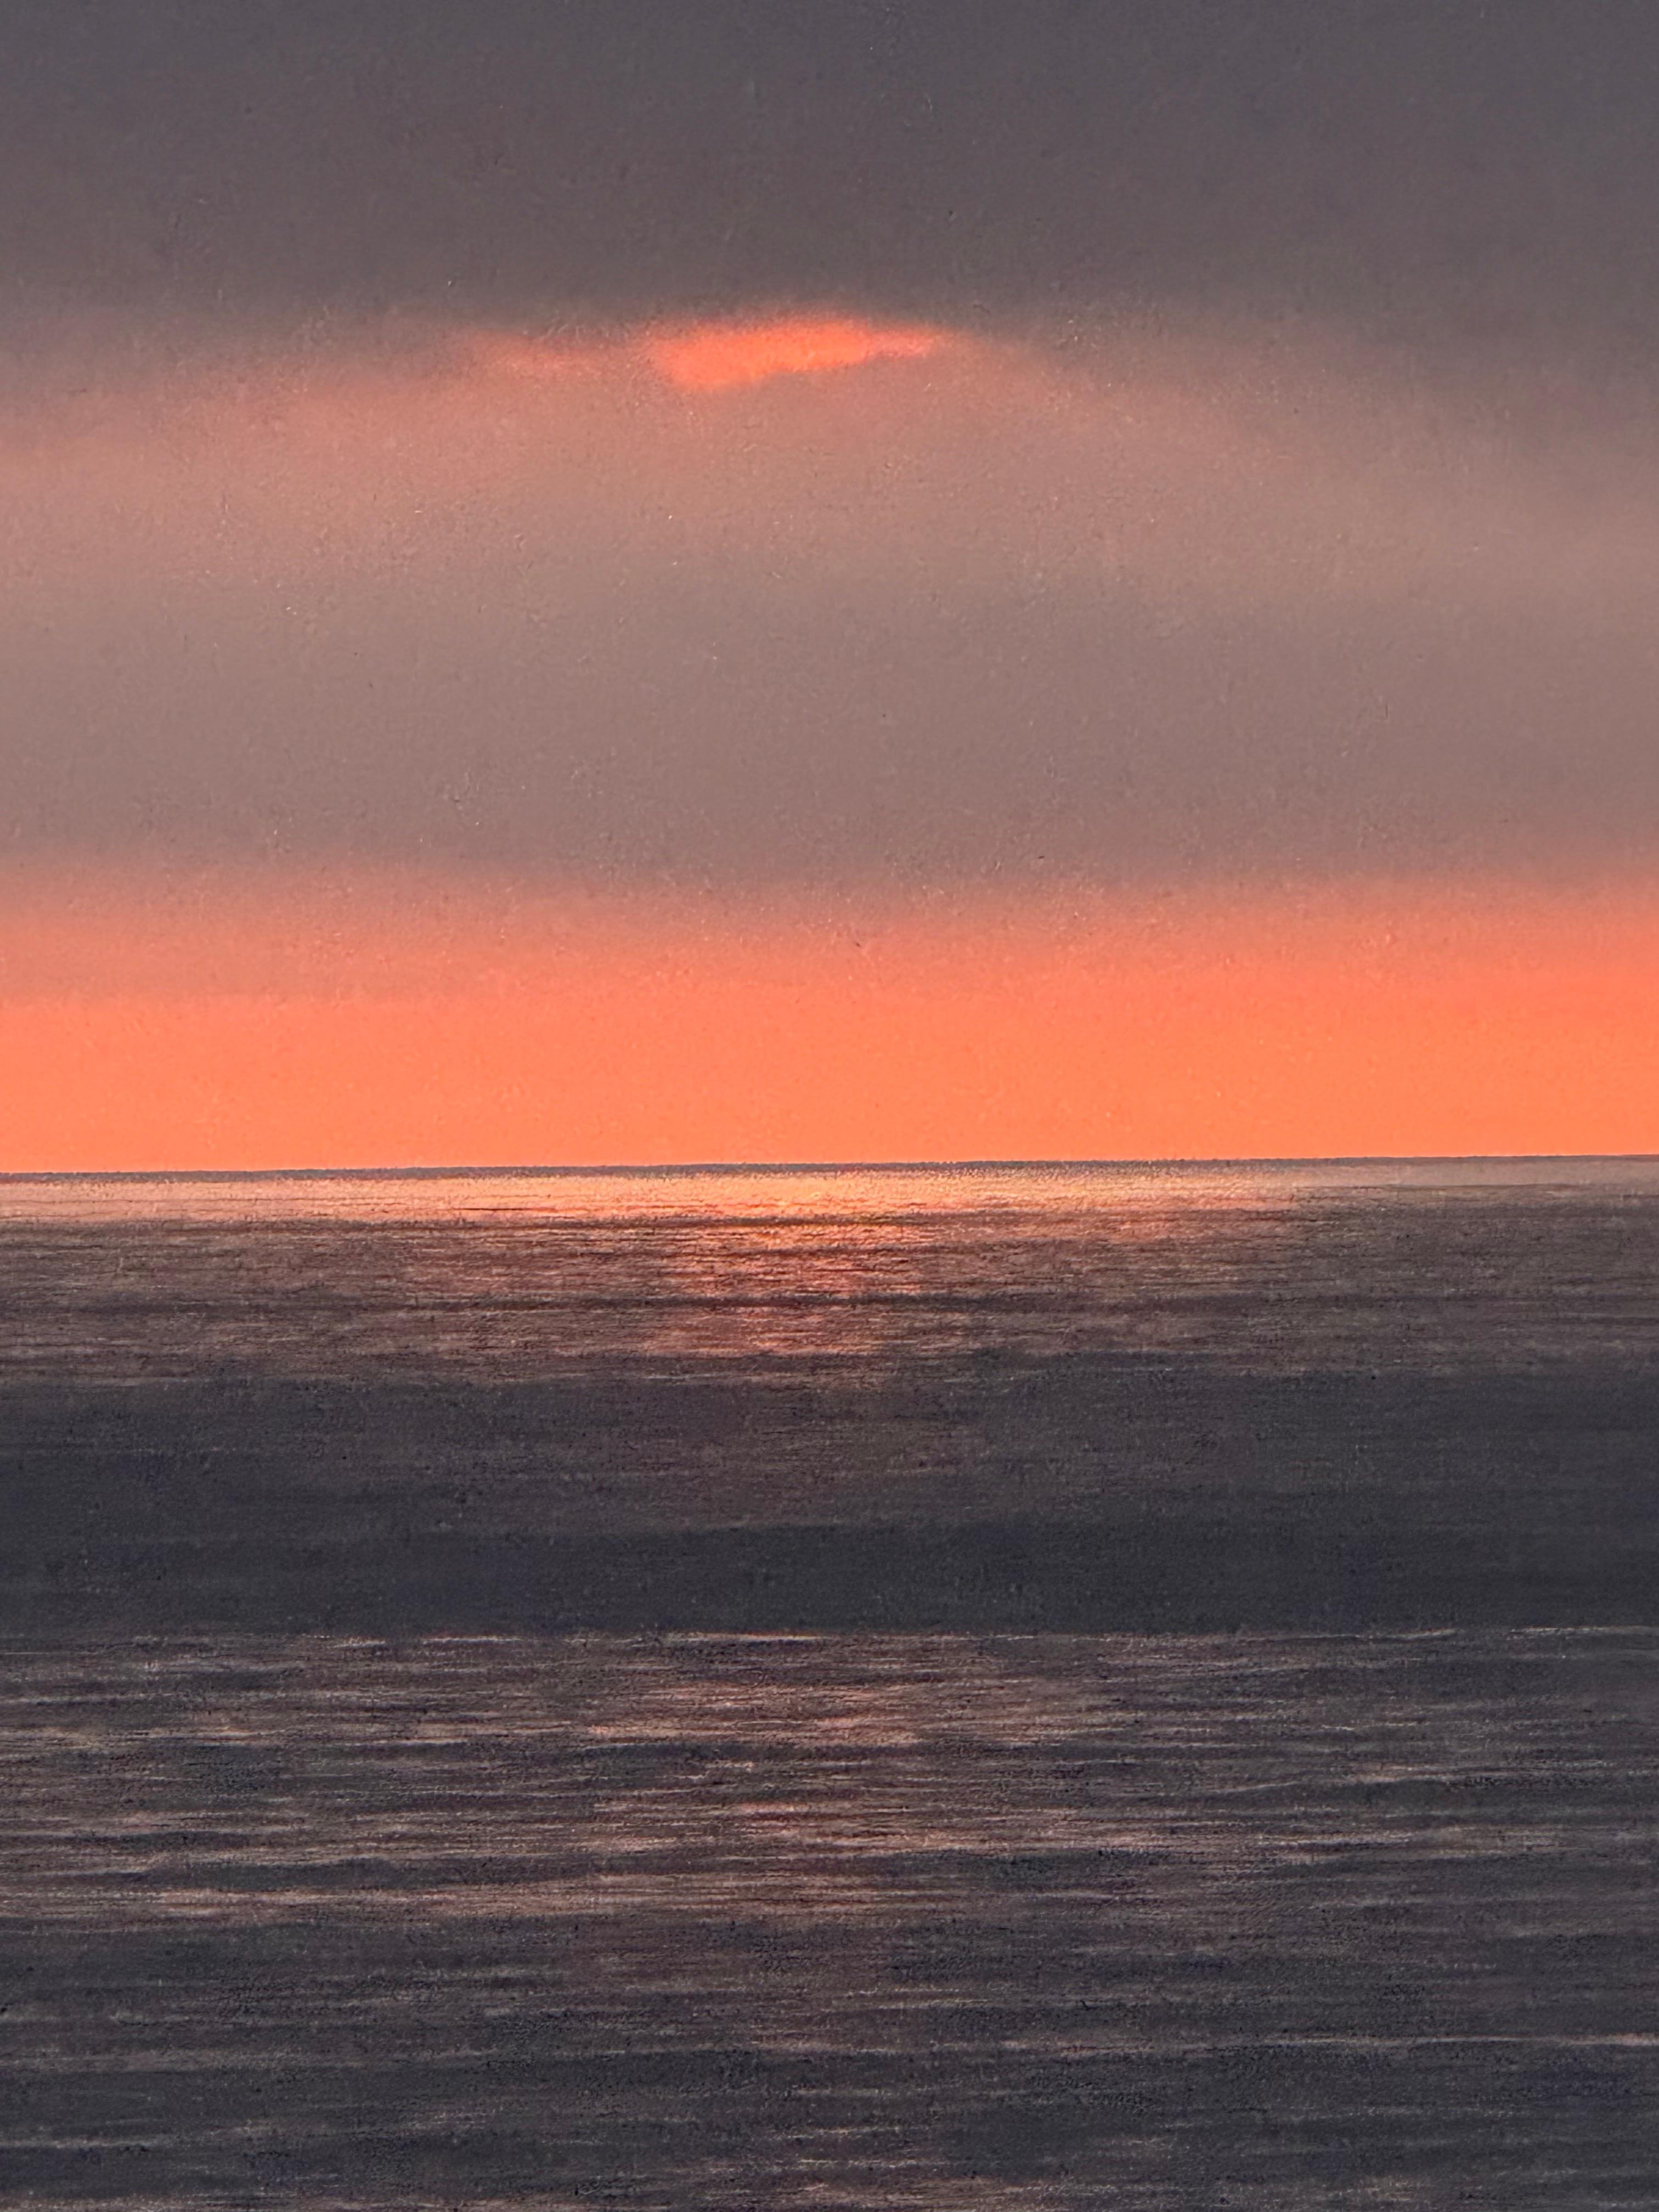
(715, 356)
(428, 1024)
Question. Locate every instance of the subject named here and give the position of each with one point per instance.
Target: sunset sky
(645, 582)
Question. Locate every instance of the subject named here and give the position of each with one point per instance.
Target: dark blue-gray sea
(937, 1690)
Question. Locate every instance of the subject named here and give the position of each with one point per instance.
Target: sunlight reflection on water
(498, 1278)
(740, 1193)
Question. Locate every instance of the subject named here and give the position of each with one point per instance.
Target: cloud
(815, 599)
(710, 356)
(1456, 167)
(715, 356)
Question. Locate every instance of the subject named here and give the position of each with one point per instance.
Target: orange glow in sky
(713, 356)
(252, 554)
(424, 1023)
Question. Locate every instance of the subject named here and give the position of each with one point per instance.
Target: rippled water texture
(548, 1691)
(515, 1277)
(835, 1922)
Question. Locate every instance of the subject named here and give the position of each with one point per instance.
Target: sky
(630, 581)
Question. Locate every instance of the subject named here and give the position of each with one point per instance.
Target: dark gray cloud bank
(1292, 506)
(1412, 162)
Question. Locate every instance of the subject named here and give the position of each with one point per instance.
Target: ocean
(722, 1690)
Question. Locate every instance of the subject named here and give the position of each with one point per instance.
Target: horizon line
(477, 1172)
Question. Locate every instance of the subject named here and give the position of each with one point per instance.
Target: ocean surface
(1003, 1687)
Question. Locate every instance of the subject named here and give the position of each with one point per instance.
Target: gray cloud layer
(1425, 166)
(1156, 577)
(1160, 601)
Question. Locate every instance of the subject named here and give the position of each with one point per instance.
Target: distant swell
(1145, 1574)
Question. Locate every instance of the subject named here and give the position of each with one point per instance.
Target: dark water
(995, 1690)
